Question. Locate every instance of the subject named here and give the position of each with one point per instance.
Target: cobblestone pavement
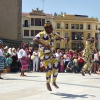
(33, 87)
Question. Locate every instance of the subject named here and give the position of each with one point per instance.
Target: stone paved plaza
(72, 87)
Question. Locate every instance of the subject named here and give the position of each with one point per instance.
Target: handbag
(33, 57)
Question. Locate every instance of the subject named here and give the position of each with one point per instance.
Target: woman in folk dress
(2, 59)
(23, 59)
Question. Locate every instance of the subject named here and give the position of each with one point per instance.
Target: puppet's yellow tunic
(48, 57)
(87, 56)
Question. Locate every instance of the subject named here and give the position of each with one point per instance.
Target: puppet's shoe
(48, 86)
(55, 85)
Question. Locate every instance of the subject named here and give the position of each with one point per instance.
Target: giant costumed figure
(88, 56)
(45, 40)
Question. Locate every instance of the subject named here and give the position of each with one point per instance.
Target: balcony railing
(25, 25)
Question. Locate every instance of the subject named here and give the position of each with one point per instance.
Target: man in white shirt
(36, 61)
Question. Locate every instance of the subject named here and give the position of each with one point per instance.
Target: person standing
(23, 59)
(45, 40)
(35, 60)
(2, 59)
(61, 64)
(96, 61)
(58, 55)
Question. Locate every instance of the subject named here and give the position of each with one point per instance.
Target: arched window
(58, 25)
(66, 35)
(66, 46)
(88, 36)
(58, 34)
(26, 23)
(96, 36)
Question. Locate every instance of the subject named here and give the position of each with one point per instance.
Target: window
(66, 26)
(26, 23)
(77, 46)
(59, 34)
(58, 25)
(96, 36)
(58, 45)
(77, 36)
(32, 21)
(66, 46)
(77, 26)
(96, 27)
(43, 21)
(32, 32)
(81, 26)
(38, 22)
(96, 45)
(37, 31)
(26, 32)
(88, 36)
(66, 35)
(88, 27)
(72, 26)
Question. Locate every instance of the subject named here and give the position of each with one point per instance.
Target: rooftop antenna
(43, 4)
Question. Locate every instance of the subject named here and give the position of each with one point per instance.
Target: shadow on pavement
(71, 84)
(72, 96)
(93, 78)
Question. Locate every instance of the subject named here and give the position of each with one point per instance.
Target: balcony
(26, 26)
(77, 36)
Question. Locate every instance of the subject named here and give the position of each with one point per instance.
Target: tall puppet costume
(50, 63)
(87, 58)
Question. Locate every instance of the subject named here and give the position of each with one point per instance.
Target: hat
(48, 23)
(1, 42)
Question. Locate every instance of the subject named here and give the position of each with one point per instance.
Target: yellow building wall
(68, 20)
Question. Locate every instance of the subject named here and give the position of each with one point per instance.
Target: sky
(80, 7)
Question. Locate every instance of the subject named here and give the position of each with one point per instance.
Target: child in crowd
(61, 64)
(70, 65)
(75, 62)
(9, 62)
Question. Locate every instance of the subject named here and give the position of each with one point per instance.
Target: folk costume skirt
(2, 63)
(24, 64)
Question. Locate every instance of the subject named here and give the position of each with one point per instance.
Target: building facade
(10, 22)
(32, 24)
(77, 28)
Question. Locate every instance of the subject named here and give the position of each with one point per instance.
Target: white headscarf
(9, 51)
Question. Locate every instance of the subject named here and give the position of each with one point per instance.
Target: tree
(96, 17)
(61, 13)
(92, 17)
(55, 14)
